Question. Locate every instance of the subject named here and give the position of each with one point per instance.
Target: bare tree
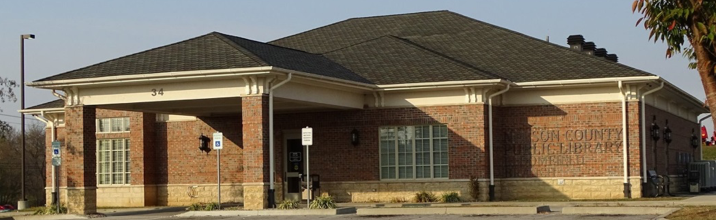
(10, 164)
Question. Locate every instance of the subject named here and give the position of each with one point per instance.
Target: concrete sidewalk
(618, 207)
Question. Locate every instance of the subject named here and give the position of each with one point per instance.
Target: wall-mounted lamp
(667, 132)
(694, 140)
(654, 130)
(355, 137)
(204, 143)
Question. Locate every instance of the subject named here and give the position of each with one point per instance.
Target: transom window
(108, 125)
(113, 161)
(414, 152)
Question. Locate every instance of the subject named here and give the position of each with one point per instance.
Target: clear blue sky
(74, 34)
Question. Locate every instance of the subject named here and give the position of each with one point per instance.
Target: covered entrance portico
(243, 94)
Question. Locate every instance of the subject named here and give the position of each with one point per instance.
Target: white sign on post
(307, 136)
(218, 141)
(307, 140)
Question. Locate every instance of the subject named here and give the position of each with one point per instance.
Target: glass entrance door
(294, 168)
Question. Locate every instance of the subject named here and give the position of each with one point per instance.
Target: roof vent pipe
(612, 57)
(600, 52)
(589, 47)
(575, 42)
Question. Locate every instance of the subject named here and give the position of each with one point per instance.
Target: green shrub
(50, 210)
(450, 197)
(474, 188)
(397, 200)
(425, 197)
(211, 206)
(195, 207)
(203, 206)
(323, 202)
(288, 204)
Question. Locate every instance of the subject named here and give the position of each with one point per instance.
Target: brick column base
(82, 200)
(255, 196)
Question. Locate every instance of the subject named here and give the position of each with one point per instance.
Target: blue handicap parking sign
(55, 151)
(217, 143)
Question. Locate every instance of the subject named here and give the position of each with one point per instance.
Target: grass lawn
(709, 152)
(694, 212)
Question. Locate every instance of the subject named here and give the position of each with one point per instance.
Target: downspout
(47, 121)
(272, 167)
(625, 148)
(643, 130)
(492, 165)
(701, 147)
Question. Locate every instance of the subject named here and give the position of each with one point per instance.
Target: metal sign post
(218, 145)
(307, 140)
(56, 162)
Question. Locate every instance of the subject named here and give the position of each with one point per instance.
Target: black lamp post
(695, 142)
(667, 139)
(22, 204)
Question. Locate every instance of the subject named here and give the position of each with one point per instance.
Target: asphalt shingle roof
(51, 104)
(406, 48)
(494, 50)
(212, 51)
(391, 60)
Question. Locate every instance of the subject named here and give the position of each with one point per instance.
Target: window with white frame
(113, 162)
(110, 125)
(414, 152)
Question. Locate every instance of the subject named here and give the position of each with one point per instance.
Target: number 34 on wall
(159, 91)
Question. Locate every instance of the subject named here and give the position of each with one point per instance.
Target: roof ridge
(446, 57)
(129, 55)
(403, 14)
(267, 44)
(358, 18)
(425, 50)
(552, 44)
(223, 37)
(359, 43)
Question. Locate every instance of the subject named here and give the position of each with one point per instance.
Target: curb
(454, 211)
(618, 210)
(338, 211)
(43, 217)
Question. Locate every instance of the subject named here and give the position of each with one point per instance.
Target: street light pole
(22, 204)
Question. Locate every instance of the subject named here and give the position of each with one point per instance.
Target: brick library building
(398, 104)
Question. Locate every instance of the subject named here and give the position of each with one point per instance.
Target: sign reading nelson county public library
(545, 150)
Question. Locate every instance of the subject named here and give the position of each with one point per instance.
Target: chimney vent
(588, 47)
(600, 52)
(575, 42)
(612, 57)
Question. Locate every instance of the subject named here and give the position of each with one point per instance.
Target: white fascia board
(40, 110)
(56, 84)
(632, 79)
(586, 81)
(326, 79)
(698, 104)
(444, 84)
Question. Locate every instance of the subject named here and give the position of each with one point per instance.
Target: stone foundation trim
(81, 201)
(255, 184)
(255, 197)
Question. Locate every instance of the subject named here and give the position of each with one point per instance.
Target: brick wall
(681, 141)
(568, 140)
(179, 160)
(335, 159)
